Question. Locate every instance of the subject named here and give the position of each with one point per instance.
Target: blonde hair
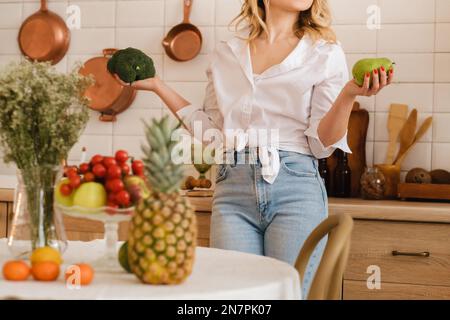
(314, 22)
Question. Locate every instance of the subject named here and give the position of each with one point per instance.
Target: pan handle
(107, 117)
(109, 51)
(44, 6)
(187, 10)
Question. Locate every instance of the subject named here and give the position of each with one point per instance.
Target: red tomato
(108, 185)
(84, 167)
(99, 170)
(69, 171)
(112, 206)
(121, 156)
(125, 168)
(89, 177)
(96, 159)
(65, 189)
(109, 161)
(75, 181)
(114, 172)
(111, 198)
(116, 185)
(123, 198)
(138, 167)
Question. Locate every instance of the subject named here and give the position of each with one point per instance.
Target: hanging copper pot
(44, 36)
(107, 96)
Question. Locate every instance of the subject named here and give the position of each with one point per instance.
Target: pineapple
(163, 231)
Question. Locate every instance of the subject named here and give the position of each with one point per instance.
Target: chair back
(327, 281)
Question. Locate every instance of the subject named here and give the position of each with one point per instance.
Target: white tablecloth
(217, 274)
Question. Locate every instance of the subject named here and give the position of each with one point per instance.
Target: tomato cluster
(109, 171)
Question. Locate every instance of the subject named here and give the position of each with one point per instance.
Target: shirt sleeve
(323, 96)
(208, 115)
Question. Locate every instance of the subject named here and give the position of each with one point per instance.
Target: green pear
(367, 66)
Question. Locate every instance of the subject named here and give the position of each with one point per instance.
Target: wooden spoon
(397, 118)
(420, 133)
(407, 134)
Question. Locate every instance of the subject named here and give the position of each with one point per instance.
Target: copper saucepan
(44, 36)
(107, 96)
(184, 41)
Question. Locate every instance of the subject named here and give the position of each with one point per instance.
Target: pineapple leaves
(164, 175)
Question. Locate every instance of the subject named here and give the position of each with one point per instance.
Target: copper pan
(184, 41)
(44, 36)
(106, 96)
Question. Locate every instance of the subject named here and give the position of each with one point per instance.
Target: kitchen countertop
(393, 210)
(8, 181)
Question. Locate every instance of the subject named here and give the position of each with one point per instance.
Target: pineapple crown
(163, 174)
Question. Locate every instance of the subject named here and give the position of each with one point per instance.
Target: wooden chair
(327, 281)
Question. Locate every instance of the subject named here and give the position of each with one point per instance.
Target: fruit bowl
(104, 214)
(111, 218)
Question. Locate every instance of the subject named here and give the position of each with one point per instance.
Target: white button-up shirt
(291, 97)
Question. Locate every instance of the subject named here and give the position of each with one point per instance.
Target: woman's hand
(150, 84)
(380, 80)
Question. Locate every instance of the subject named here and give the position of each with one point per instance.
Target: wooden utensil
(44, 36)
(420, 133)
(407, 134)
(357, 134)
(184, 41)
(397, 118)
(106, 96)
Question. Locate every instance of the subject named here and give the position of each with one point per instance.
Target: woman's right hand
(149, 84)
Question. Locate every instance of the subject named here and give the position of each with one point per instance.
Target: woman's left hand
(380, 80)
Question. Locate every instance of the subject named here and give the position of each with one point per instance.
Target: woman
(288, 75)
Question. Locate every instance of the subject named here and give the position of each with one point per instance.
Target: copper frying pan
(184, 41)
(44, 36)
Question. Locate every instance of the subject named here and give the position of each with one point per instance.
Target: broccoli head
(131, 65)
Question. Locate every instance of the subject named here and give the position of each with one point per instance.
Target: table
(217, 275)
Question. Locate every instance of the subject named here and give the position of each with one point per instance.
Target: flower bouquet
(42, 114)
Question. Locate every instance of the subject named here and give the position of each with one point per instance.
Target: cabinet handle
(424, 254)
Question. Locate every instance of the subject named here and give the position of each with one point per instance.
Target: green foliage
(42, 113)
(163, 174)
(131, 65)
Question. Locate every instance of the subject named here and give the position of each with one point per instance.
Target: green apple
(90, 195)
(60, 198)
(137, 187)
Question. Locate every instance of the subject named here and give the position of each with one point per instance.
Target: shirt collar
(297, 58)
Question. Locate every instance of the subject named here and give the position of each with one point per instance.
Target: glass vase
(35, 222)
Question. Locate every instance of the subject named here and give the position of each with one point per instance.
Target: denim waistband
(250, 155)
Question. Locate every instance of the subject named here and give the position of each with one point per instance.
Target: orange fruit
(45, 254)
(45, 271)
(86, 273)
(16, 271)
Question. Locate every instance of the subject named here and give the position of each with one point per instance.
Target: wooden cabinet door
(3, 219)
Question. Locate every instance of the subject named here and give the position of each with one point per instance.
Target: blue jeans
(253, 216)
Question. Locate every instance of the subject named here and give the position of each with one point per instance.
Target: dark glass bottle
(325, 174)
(342, 176)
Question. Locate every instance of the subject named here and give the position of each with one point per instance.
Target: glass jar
(373, 184)
(35, 222)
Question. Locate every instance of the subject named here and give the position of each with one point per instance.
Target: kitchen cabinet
(418, 231)
(3, 219)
